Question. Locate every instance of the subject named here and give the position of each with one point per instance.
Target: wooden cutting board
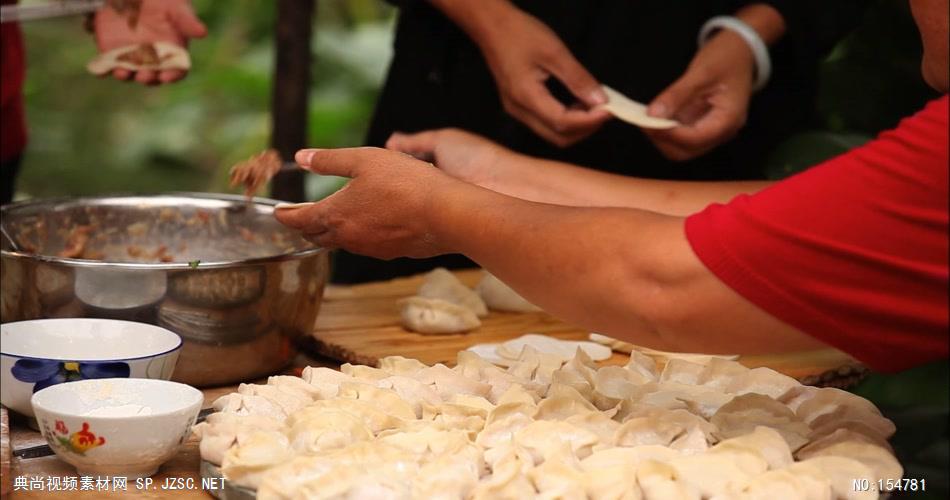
(360, 324)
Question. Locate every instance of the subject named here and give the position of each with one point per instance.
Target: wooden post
(291, 91)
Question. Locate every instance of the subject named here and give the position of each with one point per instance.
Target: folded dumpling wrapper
(436, 316)
(500, 297)
(166, 56)
(633, 112)
(565, 349)
(441, 284)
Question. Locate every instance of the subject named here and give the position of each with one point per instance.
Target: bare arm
(479, 161)
(624, 272)
(558, 183)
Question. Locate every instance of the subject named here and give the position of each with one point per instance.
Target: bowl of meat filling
(238, 287)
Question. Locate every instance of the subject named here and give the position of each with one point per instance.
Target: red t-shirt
(853, 252)
(12, 120)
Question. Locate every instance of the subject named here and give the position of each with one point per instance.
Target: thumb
(345, 162)
(674, 98)
(576, 78)
(187, 23)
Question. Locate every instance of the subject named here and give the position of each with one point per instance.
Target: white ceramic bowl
(39, 353)
(118, 426)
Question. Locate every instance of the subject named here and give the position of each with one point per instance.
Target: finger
(146, 76)
(121, 74)
(707, 132)
(300, 216)
(188, 23)
(558, 118)
(346, 162)
(675, 97)
(421, 142)
(576, 78)
(558, 138)
(171, 75)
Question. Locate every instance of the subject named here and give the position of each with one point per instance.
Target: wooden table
(358, 324)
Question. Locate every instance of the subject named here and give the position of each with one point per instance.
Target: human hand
(385, 211)
(461, 154)
(171, 21)
(711, 99)
(522, 53)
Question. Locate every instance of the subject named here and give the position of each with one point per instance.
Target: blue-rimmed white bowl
(37, 354)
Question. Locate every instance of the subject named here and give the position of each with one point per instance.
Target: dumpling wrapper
(170, 56)
(436, 316)
(489, 352)
(665, 356)
(441, 284)
(565, 349)
(500, 297)
(633, 112)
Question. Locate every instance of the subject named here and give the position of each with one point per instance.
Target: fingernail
(598, 96)
(304, 156)
(657, 109)
(292, 206)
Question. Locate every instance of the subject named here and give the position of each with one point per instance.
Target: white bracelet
(763, 63)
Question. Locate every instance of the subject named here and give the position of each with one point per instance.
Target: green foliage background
(90, 136)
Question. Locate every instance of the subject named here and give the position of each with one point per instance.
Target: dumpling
(546, 438)
(156, 56)
(500, 297)
(436, 316)
(745, 413)
(329, 429)
(255, 453)
(288, 401)
(660, 481)
(398, 365)
(446, 478)
(448, 382)
(386, 400)
(558, 478)
(441, 284)
(220, 431)
(283, 481)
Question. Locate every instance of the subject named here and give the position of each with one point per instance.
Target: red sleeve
(853, 252)
(12, 120)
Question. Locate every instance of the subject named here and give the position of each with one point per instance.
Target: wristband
(763, 63)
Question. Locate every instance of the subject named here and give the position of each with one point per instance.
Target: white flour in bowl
(131, 410)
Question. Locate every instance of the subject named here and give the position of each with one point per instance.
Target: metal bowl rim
(157, 266)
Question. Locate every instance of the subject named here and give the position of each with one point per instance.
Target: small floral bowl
(40, 353)
(117, 427)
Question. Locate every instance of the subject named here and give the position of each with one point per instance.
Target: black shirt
(438, 79)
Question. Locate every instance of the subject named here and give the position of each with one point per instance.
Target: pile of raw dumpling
(443, 304)
(546, 428)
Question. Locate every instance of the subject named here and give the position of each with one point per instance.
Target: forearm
(623, 272)
(551, 254)
(478, 18)
(765, 20)
(558, 183)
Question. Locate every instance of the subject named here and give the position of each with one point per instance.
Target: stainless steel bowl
(236, 285)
